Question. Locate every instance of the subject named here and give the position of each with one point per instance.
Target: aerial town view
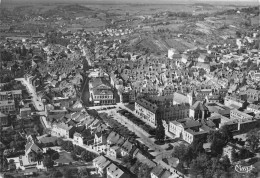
(129, 89)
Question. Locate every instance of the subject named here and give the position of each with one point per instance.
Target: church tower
(191, 97)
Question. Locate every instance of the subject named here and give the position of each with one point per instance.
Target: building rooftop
(146, 104)
(63, 126)
(115, 170)
(180, 98)
(6, 103)
(157, 170)
(199, 106)
(11, 92)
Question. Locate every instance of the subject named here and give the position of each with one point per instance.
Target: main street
(37, 102)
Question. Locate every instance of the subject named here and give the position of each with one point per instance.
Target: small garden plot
(64, 158)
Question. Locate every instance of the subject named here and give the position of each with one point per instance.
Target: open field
(148, 9)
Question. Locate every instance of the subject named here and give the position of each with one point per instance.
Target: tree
(234, 156)
(48, 162)
(160, 132)
(180, 151)
(78, 150)
(59, 142)
(201, 166)
(144, 171)
(12, 165)
(180, 167)
(225, 163)
(68, 146)
(23, 51)
(83, 172)
(74, 156)
(197, 147)
(56, 173)
(253, 138)
(219, 140)
(36, 128)
(226, 133)
(84, 155)
(55, 156)
(4, 163)
(189, 155)
(217, 147)
(12, 144)
(87, 156)
(71, 172)
(233, 64)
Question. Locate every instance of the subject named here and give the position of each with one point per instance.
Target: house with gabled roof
(157, 172)
(114, 138)
(78, 138)
(93, 125)
(31, 158)
(127, 148)
(100, 141)
(114, 151)
(198, 110)
(63, 130)
(101, 163)
(113, 171)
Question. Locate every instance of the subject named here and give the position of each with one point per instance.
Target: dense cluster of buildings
(189, 92)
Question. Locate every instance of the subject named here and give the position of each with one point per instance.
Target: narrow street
(85, 88)
(39, 106)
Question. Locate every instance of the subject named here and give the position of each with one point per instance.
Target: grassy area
(65, 157)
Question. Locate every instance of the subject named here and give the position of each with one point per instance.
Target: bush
(55, 156)
(170, 147)
(56, 174)
(159, 142)
(74, 156)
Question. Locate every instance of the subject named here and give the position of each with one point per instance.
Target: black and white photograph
(129, 89)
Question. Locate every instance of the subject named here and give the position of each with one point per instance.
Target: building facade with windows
(150, 112)
(7, 106)
(13, 94)
(187, 129)
(101, 93)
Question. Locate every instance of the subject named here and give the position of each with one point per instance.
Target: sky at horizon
(140, 1)
(217, 2)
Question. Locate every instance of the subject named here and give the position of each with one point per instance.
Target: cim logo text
(244, 169)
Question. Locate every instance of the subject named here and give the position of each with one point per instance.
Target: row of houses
(109, 143)
(195, 121)
(105, 166)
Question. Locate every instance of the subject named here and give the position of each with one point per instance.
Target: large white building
(101, 92)
(146, 110)
(171, 52)
(187, 129)
(62, 130)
